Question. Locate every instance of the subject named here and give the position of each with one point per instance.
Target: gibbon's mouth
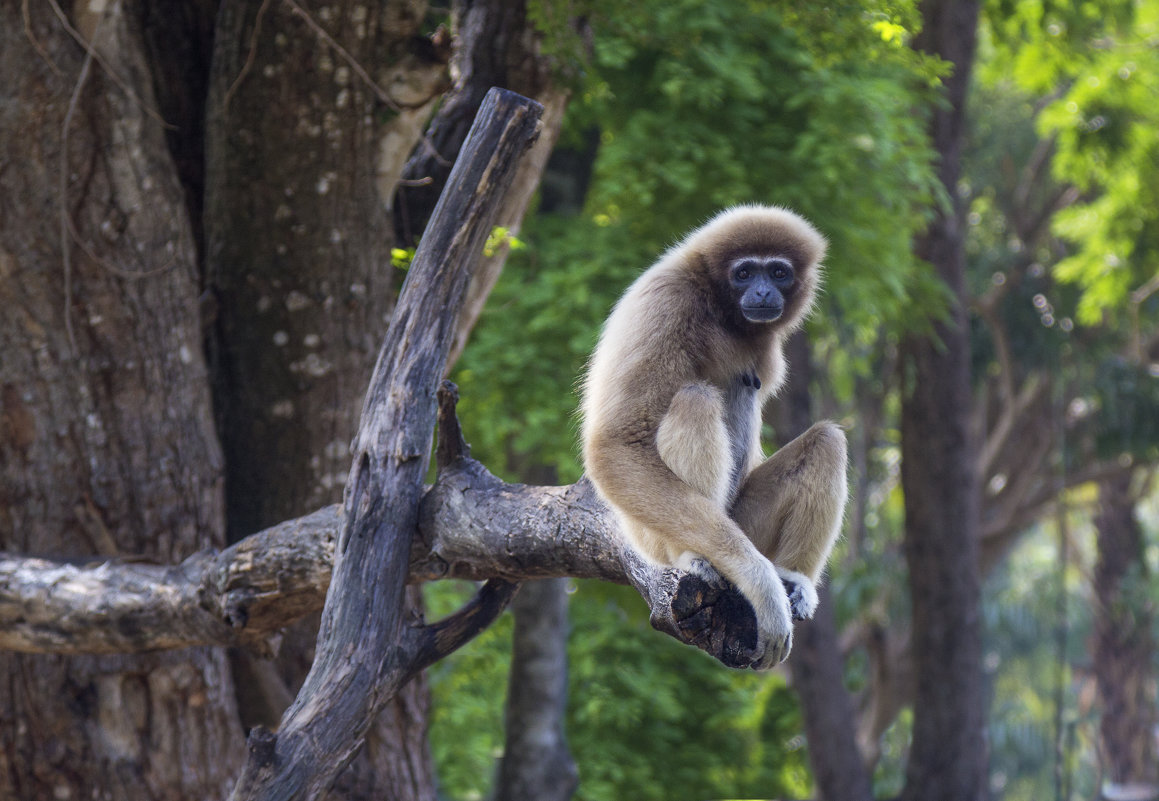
(762, 314)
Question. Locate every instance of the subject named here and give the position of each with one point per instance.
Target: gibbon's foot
(802, 593)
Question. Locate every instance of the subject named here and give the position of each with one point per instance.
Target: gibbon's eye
(743, 271)
(782, 272)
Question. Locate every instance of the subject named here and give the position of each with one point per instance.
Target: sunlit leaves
(1097, 67)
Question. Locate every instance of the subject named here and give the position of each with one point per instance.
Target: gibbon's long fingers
(693, 441)
(792, 505)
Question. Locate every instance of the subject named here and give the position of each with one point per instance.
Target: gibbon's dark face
(761, 286)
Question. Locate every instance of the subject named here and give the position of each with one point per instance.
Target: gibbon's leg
(791, 507)
(693, 441)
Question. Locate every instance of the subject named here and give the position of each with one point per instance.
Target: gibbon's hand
(774, 628)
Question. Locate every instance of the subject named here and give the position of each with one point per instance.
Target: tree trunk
(536, 760)
(303, 151)
(1124, 648)
(815, 663)
(299, 174)
(948, 756)
(107, 443)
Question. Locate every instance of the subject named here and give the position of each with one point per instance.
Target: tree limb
(471, 526)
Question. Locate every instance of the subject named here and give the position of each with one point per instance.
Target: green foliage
(1096, 67)
(519, 376)
(644, 713)
(682, 725)
(703, 106)
(700, 107)
(467, 689)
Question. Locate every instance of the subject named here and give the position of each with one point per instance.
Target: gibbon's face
(761, 286)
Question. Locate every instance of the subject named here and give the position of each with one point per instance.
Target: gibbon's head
(762, 263)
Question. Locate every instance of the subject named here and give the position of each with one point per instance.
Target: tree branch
(471, 525)
(366, 650)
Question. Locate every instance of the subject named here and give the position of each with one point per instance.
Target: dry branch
(366, 650)
(471, 526)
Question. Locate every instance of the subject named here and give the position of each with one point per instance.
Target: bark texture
(311, 111)
(298, 235)
(816, 663)
(471, 526)
(107, 445)
(360, 663)
(1124, 647)
(948, 756)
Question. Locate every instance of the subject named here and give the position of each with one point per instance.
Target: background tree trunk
(948, 756)
(536, 761)
(1124, 644)
(107, 445)
(497, 46)
(815, 663)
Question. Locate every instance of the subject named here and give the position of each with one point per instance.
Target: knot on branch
(262, 744)
(711, 615)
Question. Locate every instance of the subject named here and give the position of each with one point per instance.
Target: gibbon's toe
(802, 594)
(775, 652)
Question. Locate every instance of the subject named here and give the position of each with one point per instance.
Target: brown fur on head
(758, 231)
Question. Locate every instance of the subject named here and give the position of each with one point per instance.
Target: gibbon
(672, 415)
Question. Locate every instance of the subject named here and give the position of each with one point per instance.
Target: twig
(250, 56)
(36, 45)
(65, 223)
(350, 60)
(120, 82)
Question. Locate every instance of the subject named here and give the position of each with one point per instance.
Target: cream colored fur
(656, 438)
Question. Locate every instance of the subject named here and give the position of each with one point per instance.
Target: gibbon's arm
(692, 440)
(672, 522)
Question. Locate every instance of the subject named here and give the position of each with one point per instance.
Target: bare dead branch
(471, 526)
(365, 652)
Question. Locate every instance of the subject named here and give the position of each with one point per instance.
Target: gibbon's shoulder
(746, 229)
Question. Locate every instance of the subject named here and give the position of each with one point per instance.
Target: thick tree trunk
(815, 663)
(948, 756)
(1124, 648)
(106, 442)
(298, 149)
(311, 112)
